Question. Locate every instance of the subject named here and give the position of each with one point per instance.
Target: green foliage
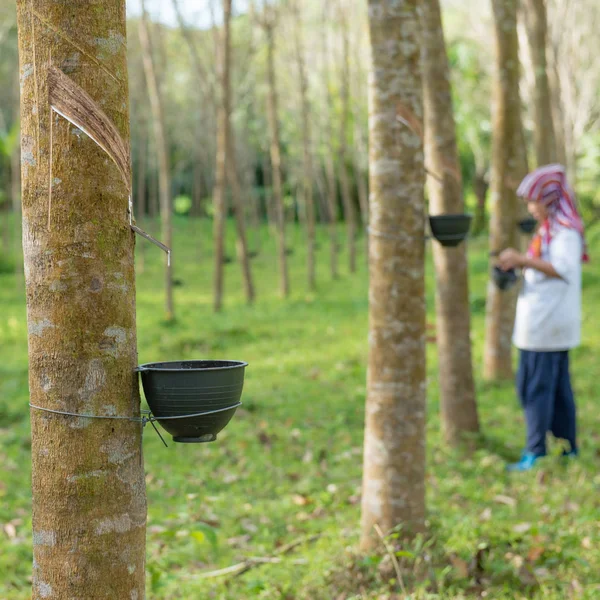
(289, 464)
(182, 205)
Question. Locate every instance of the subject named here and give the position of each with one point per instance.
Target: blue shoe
(526, 463)
(571, 454)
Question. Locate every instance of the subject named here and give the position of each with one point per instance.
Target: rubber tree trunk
(509, 166)
(480, 189)
(162, 151)
(239, 208)
(307, 164)
(457, 389)
(153, 199)
(537, 33)
(222, 158)
(394, 449)
(140, 207)
(197, 187)
(347, 196)
(332, 208)
(275, 151)
(89, 499)
(209, 99)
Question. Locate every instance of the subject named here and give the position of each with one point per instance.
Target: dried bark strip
(394, 452)
(89, 504)
(74, 104)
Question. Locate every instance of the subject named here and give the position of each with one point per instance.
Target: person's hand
(511, 259)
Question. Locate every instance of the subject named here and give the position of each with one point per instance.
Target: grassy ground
(289, 465)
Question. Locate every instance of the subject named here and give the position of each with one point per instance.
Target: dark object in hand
(504, 279)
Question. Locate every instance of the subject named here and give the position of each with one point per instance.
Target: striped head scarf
(549, 186)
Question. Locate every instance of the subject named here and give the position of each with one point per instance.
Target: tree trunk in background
(509, 166)
(268, 187)
(307, 175)
(537, 33)
(140, 208)
(557, 113)
(275, 151)
(360, 151)
(394, 450)
(347, 196)
(329, 152)
(89, 500)
(480, 189)
(232, 170)
(457, 388)
(197, 189)
(219, 199)
(162, 150)
(238, 202)
(153, 200)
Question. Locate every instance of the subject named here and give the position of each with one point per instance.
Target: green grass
(289, 464)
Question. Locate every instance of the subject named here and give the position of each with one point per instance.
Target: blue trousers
(544, 387)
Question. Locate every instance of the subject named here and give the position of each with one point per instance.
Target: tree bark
(89, 500)
(239, 207)
(457, 388)
(197, 188)
(275, 151)
(480, 189)
(394, 451)
(209, 98)
(222, 159)
(162, 151)
(537, 33)
(307, 174)
(153, 199)
(509, 166)
(347, 196)
(332, 208)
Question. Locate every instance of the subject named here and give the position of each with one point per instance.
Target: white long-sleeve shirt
(549, 309)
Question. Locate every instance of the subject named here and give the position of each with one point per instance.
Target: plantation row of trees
(313, 57)
(263, 115)
(73, 70)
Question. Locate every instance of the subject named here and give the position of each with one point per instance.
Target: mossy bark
(89, 501)
(457, 388)
(509, 166)
(394, 451)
